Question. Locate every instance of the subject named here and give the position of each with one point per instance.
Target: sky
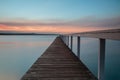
(59, 16)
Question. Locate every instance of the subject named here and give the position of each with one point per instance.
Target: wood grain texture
(58, 63)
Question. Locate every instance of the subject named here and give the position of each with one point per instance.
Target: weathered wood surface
(113, 34)
(58, 63)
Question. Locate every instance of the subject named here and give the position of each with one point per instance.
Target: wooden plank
(58, 63)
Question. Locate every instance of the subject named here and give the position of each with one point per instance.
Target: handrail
(113, 34)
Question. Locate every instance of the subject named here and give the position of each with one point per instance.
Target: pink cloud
(80, 25)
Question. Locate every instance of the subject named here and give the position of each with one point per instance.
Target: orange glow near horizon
(47, 29)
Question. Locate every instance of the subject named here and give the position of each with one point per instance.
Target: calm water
(18, 53)
(89, 55)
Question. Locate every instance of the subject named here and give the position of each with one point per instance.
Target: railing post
(71, 42)
(101, 60)
(78, 47)
(63, 38)
(67, 40)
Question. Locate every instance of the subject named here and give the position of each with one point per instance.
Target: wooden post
(78, 47)
(67, 40)
(101, 60)
(71, 42)
(63, 39)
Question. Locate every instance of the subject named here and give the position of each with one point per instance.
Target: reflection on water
(18, 53)
(21, 44)
(89, 55)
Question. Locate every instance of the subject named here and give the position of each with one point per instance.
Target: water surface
(18, 53)
(89, 55)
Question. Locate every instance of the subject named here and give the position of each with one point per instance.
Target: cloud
(83, 22)
(32, 23)
(97, 22)
(59, 26)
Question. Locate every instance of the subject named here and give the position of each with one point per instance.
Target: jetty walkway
(58, 63)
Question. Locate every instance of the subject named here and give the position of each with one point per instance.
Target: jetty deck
(58, 62)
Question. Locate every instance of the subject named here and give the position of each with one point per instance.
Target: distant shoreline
(24, 34)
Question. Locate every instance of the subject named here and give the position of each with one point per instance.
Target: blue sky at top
(58, 9)
(59, 16)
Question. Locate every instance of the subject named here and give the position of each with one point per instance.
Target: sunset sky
(59, 16)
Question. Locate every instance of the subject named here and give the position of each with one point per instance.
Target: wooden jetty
(102, 35)
(58, 62)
